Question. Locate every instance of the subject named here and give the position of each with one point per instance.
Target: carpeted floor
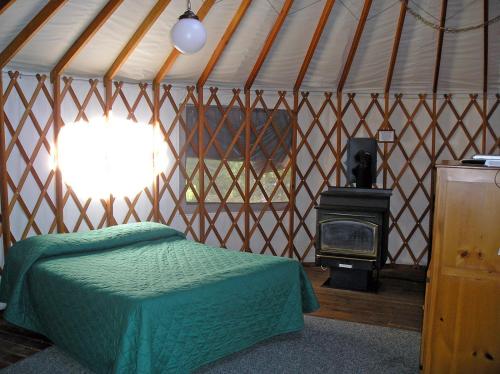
(324, 346)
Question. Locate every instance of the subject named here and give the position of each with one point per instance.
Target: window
(110, 156)
(269, 158)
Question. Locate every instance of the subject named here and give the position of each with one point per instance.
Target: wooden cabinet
(461, 332)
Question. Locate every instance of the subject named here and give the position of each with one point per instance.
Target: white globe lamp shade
(188, 35)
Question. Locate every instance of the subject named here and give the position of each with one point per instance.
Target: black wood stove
(352, 234)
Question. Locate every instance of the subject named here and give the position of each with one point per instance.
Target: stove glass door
(349, 236)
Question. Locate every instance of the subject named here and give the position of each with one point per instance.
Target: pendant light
(188, 35)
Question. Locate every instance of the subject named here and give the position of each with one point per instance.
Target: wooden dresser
(461, 332)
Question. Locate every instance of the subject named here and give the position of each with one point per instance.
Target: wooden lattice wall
(428, 129)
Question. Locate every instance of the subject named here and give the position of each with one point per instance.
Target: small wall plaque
(386, 136)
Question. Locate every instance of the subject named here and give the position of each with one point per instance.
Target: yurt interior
(250, 186)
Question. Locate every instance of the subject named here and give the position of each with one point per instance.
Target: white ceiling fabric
(461, 63)
(414, 68)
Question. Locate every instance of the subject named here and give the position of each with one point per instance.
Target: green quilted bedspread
(140, 298)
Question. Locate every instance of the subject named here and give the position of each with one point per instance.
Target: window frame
(190, 207)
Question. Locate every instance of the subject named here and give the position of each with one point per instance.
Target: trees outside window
(270, 142)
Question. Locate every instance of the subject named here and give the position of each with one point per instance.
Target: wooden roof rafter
(85, 37)
(5, 4)
(223, 42)
(314, 43)
(134, 41)
(271, 37)
(354, 46)
(172, 57)
(444, 6)
(395, 46)
(29, 31)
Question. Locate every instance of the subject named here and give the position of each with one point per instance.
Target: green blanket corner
(24, 254)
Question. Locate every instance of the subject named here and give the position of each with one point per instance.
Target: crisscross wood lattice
(428, 129)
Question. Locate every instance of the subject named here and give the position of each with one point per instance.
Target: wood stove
(352, 234)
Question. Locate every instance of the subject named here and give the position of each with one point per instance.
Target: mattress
(141, 298)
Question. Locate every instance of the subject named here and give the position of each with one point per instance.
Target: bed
(141, 298)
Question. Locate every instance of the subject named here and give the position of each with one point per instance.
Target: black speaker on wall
(362, 162)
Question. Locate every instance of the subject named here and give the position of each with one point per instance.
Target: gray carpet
(324, 346)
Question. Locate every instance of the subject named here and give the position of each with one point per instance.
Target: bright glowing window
(114, 156)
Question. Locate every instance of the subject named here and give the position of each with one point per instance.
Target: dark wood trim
(134, 41)
(57, 128)
(314, 43)
(339, 130)
(156, 124)
(172, 57)
(167, 66)
(108, 96)
(442, 22)
(108, 101)
(433, 173)
(4, 197)
(85, 37)
(395, 46)
(385, 126)
(354, 45)
(223, 42)
(248, 112)
(201, 164)
(293, 174)
(5, 4)
(485, 75)
(485, 45)
(485, 122)
(271, 37)
(29, 31)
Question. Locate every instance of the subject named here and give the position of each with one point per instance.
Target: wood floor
(398, 303)
(16, 343)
